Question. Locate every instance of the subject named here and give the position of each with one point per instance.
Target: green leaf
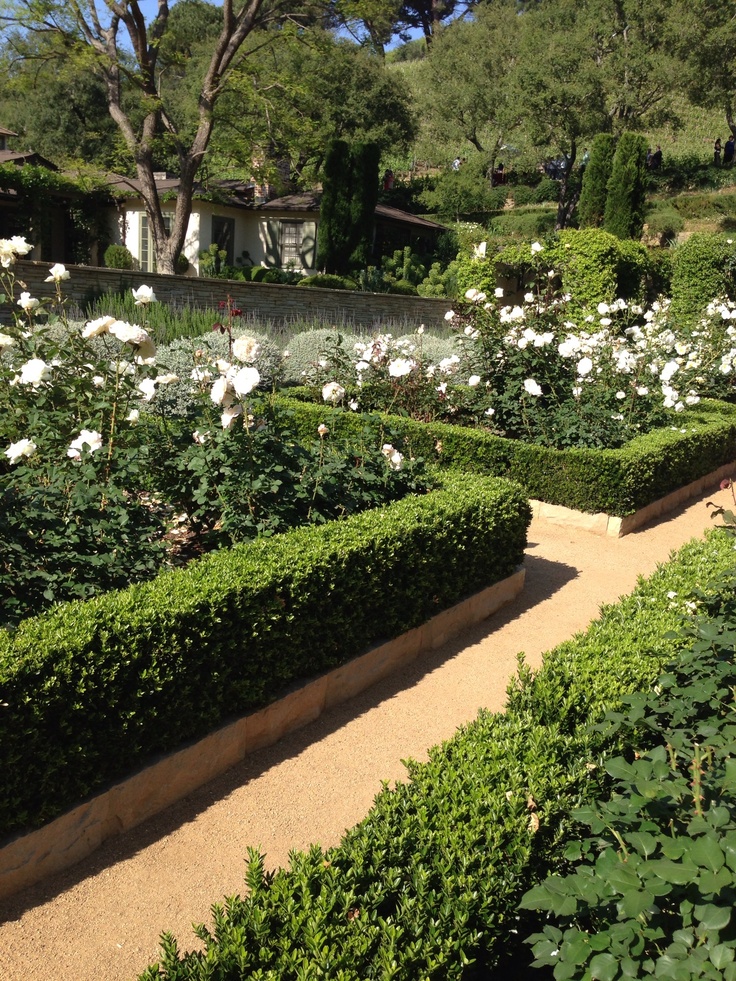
(634, 902)
(721, 955)
(707, 852)
(713, 917)
(603, 967)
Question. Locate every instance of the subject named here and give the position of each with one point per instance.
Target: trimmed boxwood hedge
(428, 885)
(93, 689)
(617, 482)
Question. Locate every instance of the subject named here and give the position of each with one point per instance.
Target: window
(291, 244)
(223, 235)
(147, 252)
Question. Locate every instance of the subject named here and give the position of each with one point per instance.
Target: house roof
(6, 132)
(235, 193)
(310, 201)
(25, 157)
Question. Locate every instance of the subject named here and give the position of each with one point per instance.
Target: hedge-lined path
(101, 920)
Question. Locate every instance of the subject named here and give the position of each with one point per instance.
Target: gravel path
(101, 920)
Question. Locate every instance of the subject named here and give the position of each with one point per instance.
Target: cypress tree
(365, 160)
(349, 195)
(333, 239)
(624, 214)
(592, 204)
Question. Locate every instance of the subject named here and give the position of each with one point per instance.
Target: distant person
(498, 176)
(650, 153)
(656, 160)
(728, 152)
(456, 163)
(717, 153)
(388, 180)
(584, 159)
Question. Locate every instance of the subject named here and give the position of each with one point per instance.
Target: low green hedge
(617, 482)
(428, 885)
(93, 689)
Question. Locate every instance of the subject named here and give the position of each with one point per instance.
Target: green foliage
(349, 195)
(329, 281)
(703, 268)
(307, 348)
(523, 223)
(651, 889)
(664, 222)
(428, 884)
(617, 482)
(142, 670)
(467, 191)
(119, 257)
(166, 321)
(592, 204)
(627, 185)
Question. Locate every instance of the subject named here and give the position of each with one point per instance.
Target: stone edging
(76, 834)
(606, 524)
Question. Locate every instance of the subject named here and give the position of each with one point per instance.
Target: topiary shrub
(702, 269)
(327, 281)
(664, 223)
(119, 257)
(624, 211)
(592, 204)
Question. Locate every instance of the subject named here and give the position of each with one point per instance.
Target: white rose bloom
(166, 379)
(143, 296)
(201, 375)
(230, 414)
(577, 391)
(145, 353)
(12, 247)
(471, 294)
(606, 321)
(585, 366)
(147, 388)
(531, 387)
(668, 371)
(642, 390)
(498, 292)
(400, 367)
(89, 437)
(219, 392)
(490, 412)
(603, 309)
(332, 392)
(5, 341)
(34, 372)
(450, 315)
(479, 251)
(98, 381)
(420, 329)
(223, 366)
(246, 348)
(128, 333)
(528, 298)
(96, 327)
(133, 416)
(536, 247)
(620, 395)
(362, 366)
(474, 380)
(57, 272)
(245, 380)
(692, 399)
(28, 303)
(16, 451)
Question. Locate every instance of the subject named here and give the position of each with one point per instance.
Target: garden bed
(608, 484)
(79, 832)
(95, 689)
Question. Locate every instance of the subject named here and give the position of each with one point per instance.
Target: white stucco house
(277, 233)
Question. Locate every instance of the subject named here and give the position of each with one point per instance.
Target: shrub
(664, 222)
(119, 257)
(444, 858)
(518, 223)
(307, 348)
(624, 211)
(327, 281)
(145, 669)
(592, 204)
(702, 269)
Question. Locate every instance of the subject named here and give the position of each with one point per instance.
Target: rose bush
(96, 474)
(530, 371)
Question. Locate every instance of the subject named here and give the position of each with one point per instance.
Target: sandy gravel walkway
(101, 920)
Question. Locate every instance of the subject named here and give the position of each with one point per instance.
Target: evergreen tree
(592, 204)
(624, 213)
(349, 195)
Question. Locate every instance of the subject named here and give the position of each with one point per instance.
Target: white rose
(89, 437)
(532, 387)
(246, 348)
(96, 327)
(57, 272)
(245, 380)
(332, 392)
(33, 372)
(16, 451)
(474, 380)
(28, 303)
(143, 296)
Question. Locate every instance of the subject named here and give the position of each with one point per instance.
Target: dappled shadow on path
(543, 579)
